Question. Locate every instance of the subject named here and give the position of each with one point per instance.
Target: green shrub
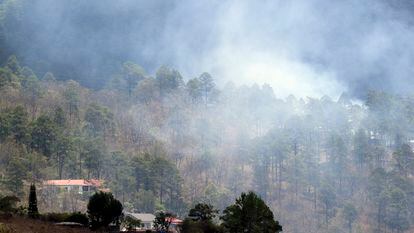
(8, 204)
(78, 217)
(54, 217)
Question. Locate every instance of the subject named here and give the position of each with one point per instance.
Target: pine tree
(32, 210)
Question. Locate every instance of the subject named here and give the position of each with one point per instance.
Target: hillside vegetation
(163, 143)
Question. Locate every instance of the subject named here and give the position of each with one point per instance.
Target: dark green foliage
(144, 201)
(104, 209)
(44, 135)
(54, 217)
(32, 210)
(8, 78)
(16, 172)
(78, 217)
(131, 75)
(158, 175)
(168, 79)
(249, 214)
(93, 154)
(203, 212)
(162, 221)
(18, 124)
(13, 65)
(193, 87)
(99, 120)
(191, 226)
(200, 219)
(8, 204)
(60, 118)
(131, 223)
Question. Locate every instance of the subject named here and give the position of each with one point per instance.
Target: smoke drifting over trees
(301, 47)
(306, 103)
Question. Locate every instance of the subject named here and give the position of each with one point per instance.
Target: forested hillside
(165, 143)
(161, 141)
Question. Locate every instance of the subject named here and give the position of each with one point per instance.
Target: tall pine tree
(32, 210)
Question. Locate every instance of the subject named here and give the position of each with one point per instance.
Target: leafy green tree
(13, 65)
(163, 221)
(44, 135)
(99, 120)
(132, 74)
(72, 99)
(168, 79)
(8, 203)
(8, 79)
(19, 124)
(4, 125)
(94, 154)
(130, 223)
(203, 212)
(104, 209)
(15, 175)
(206, 85)
(32, 210)
(147, 90)
(49, 77)
(191, 226)
(249, 214)
(200, 219)
(144, 201)
(59, 117)
(63, 148)
(193, 87)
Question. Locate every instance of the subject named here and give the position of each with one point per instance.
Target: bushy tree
(8, 203)
(249, 214)
(200, 219)
(162, 221)
(131, 223)
(104, 209)
(44, 135)
(203, 212)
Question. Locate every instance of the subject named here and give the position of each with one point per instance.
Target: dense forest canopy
(162, 140)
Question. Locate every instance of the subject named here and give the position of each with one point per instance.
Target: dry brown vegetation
(26, 225)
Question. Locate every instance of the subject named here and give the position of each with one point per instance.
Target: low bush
(78, 217)
(54, 217)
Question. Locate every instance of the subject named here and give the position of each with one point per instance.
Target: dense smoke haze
(306, 48)
(303, 108)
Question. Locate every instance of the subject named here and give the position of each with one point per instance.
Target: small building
(147, 220)
(80, 186)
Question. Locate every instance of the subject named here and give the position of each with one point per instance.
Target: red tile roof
(91, 182)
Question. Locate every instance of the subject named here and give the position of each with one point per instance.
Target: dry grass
(26, 225)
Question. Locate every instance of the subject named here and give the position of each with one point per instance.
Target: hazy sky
(303, 47)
